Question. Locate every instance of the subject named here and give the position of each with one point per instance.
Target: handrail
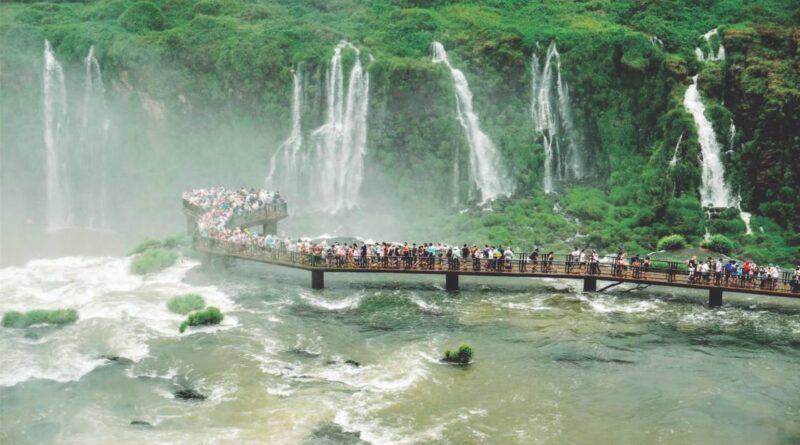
(660, 272)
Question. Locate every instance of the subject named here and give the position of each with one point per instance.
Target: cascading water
(487, 173)
(713, 190)
(711, 56)
(55, 121)
(284, 171)
(553, 122)
(341, 143)
(674, 161)
(91, 184)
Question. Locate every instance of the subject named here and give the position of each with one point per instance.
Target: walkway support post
(451, 282)
(715, 297)
(317, 279)
(590, 284)
(270, 228)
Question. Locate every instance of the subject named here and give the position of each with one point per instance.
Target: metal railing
(659, 271)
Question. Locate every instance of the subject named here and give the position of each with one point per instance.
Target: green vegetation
(153, 260)
(194, 56)
(671, 242)
(208, 316)
(718, 243)
(13, 319)
(462, 356)
(183, 304)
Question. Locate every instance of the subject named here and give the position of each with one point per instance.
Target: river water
(553, 365)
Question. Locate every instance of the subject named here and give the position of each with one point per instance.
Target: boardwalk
(664, 273)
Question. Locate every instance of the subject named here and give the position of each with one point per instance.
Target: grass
(209, 316)
(183, 304)
(154, 260)
(60, 317)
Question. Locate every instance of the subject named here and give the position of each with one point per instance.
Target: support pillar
(317, 279)
(270, 228)
(590, 284)
(715, 297)
(451, 282)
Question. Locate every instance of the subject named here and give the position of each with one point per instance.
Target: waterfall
(701, 54)
(674, 161)
(341, 143)
(90, 185)
(552, 120)
(487, 173)
(285, 166)
(55, 120)
(713, 191)
(744, 215)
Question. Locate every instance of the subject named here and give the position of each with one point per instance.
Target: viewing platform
(267, 217)
(664, 273)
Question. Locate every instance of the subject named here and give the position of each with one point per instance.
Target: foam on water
(119, 314)
(342, 304)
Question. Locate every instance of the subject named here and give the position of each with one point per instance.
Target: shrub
(143, 16)
(154, 260)
(183, 304)
(207, 7)
(462, 356)
(209, 316)
(145, 245)
(15, 319)
(671, 242)
(718, 243)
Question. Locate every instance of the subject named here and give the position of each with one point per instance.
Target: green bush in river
(183, 304)
(671, 242)
(718, 243)
(462, 356)
(146, 245)
(209, 316)
(154, 260)
(14, 319)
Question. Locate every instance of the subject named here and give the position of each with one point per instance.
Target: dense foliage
(671, 242)
(183, 304)
(718, 243)
(208, 316)
(462, 355)
(225, 62)
(14, 319)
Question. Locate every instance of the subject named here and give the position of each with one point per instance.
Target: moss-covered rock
(461, 356)
(153, 260)
(59, 317)
(209, 316)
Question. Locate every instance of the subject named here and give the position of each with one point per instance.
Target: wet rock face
(117, 359)
(188, 394)
(141, 423)
(352, 363)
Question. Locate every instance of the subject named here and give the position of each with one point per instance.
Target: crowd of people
(221, 205)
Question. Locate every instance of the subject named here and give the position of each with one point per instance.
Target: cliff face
(213, 81)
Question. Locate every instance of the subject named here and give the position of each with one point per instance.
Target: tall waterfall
(341, 143)
(552, 120)
(285, 166)
(707, 54)
(55, 122)
(713, 191)
(91, 185)
(487, 172)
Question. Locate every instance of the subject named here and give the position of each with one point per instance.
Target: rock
(141, 423)
(117, 359)
(188, 394)
(352, 363)
(31, 336)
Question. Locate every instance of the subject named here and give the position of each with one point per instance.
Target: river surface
(552, 366)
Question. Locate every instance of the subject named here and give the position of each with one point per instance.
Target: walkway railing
(661, 272)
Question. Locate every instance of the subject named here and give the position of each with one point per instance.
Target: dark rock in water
(117, 359)
(352, 363)
(333, 434)
(188, 394)
(141, 423)
(31, 336)
(302, 353)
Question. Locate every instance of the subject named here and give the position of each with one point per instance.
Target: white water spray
(713, 190)
(55, 121)
(487, 172)
(707, 54)
(341, 143)
(552, 120)
(285, 172)
(674, 161)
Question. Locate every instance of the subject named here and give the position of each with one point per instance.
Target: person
(646, 266)
(534, 259)
(582, 260)
(796, 282)
(635, 266)
(691, 264)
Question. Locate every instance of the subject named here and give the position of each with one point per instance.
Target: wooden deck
(660, 276)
